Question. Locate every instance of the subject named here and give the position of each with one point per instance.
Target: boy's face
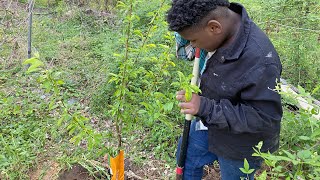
(209, 37)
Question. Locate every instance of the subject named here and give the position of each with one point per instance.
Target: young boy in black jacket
(238, 105)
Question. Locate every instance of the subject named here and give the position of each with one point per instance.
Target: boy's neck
(233, 23)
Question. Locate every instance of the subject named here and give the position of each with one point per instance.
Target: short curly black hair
(187, 13)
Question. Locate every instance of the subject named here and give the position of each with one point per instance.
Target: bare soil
(77, 172)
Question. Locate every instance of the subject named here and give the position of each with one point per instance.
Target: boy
(238, 104)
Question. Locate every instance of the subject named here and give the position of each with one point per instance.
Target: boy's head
(200, 21)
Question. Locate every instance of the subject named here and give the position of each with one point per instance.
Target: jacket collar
(234, 50)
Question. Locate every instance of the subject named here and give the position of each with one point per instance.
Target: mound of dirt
(77, 172)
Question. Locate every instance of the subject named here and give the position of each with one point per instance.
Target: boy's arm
(258, 111)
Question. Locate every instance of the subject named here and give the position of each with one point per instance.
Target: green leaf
(135, 17)
(181, 76)
(291, 156)
(32, 69)
(47, 85)
(316, 133)
(164, 46)
(146, 105)
(72, 130)
(121, 4)
(30, 61)
(314, 91)
(314, 111)
(175, 84)
(52, 105)
(279, 158)
(250, 171)
(262, 176)
(195, 89)
(60, 82)
(151, 46)
(141, 111)
(243, 170)
(60, 121)
(301, 90)
(259, 145)
(246, 164)
(188, 94)
(305, 138)
(35, 64)
(76, 139)
(116, 55)
(304, 154)
(168, 106)
(256, 155)
(138, 32)
(156, 115)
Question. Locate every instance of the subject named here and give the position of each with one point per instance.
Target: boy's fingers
(186, 111)
(180, 97)
(185, 105)
(182, 92)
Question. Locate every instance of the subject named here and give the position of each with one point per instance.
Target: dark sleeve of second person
(258, 110)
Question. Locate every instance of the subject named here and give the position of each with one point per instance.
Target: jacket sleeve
(258, 109)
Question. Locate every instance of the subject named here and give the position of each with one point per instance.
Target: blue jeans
(198, 156)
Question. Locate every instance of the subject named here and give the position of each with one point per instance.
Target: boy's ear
(214, 26)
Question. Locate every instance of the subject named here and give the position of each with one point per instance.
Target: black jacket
(238, 102)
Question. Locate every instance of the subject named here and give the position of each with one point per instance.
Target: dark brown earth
(77, 172)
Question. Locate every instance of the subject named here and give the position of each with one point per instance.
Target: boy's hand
(191, 107)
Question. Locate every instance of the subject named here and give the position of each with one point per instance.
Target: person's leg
(229, 169)
(197, 154)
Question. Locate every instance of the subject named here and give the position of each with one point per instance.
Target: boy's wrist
(202, 113)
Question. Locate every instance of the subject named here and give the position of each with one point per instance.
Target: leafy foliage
(293, 28)
(298, 156)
